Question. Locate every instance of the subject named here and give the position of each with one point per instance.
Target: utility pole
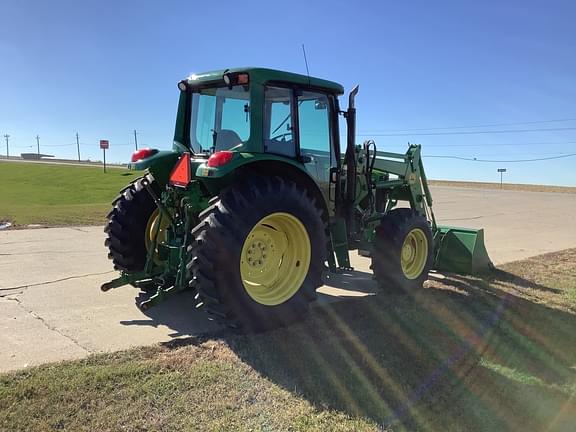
(38, 145)
(135, 139)
(7, 147)
(78, 146)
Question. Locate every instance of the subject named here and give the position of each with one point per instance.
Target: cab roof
(263, 75)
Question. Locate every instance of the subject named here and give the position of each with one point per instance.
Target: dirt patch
(505, 186)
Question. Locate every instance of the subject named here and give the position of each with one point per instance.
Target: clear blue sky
(104, 68)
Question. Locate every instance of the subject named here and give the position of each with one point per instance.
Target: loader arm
(400, 177)
(409, 183)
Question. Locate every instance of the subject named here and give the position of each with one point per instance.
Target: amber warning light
(181, 175)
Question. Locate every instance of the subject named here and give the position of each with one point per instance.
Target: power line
(500, 155)
(500, 161)
(479, 126)
(469, 132)
(59, 145)
(502, 145)
(78, 143)
(428, 146)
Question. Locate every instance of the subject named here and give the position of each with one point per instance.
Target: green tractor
(255, 202)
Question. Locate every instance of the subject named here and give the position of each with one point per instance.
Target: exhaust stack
(350, 160)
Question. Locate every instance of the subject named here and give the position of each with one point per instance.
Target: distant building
(34, 156)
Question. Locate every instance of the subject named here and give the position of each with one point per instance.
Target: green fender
(160, 165)
(217, 178)
(241, 159)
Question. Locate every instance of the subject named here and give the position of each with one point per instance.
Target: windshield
(220, 118)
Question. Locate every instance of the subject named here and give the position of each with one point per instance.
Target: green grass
(50, 194)
(480, 354)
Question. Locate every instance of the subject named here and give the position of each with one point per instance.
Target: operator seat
(226, 139)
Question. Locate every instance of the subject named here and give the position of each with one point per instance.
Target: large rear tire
(403, 251)
(128, 221)
(258, 254)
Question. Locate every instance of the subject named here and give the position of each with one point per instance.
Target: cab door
(315, 136)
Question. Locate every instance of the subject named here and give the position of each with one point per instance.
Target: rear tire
(126, 227)
(403, 251)
(224, 237)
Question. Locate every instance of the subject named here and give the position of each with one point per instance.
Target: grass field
(51, 194)
(465, 354)
(54, 195)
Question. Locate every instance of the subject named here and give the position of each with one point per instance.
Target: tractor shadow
(463, 354)
(354, 280)
(179, 313)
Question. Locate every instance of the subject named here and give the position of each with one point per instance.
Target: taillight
(181, 175)
(143, 154)
(220, 158)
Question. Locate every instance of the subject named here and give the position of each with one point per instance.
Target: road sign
(104, 145)
(501, 171)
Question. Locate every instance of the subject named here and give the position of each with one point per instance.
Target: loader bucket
(461, 250)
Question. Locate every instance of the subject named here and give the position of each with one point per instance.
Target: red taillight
(220, 158)
(180, 175)
(143, 154)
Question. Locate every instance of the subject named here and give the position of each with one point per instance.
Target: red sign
(104, 144)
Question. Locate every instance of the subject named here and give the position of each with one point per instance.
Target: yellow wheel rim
(275, 259)
(414, 253)
(150, 232)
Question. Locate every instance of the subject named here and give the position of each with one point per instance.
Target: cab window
(220, 118)
(313, 122)
(278, 121)
(314, 134)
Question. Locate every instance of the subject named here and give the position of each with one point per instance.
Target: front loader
(255, 202)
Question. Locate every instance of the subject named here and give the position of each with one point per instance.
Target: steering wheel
(281, 137)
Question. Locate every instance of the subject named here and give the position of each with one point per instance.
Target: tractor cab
(258, 114)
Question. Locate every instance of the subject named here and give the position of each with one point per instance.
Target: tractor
(256, 201)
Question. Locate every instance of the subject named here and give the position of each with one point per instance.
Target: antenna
(306, 62)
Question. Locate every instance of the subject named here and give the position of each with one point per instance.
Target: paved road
(51, 307)
(62, 162)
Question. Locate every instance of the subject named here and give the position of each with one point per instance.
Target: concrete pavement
(51, 307)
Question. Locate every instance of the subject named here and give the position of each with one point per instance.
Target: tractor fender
(159, 164)
(246, 164)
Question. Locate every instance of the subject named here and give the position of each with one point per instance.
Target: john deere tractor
(255, 202)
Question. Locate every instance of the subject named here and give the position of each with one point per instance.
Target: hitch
(159, 297)
(158, 285)
(137, 280)
(160, 281)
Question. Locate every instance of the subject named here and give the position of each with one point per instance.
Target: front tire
(258, 254)
(403, 251)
